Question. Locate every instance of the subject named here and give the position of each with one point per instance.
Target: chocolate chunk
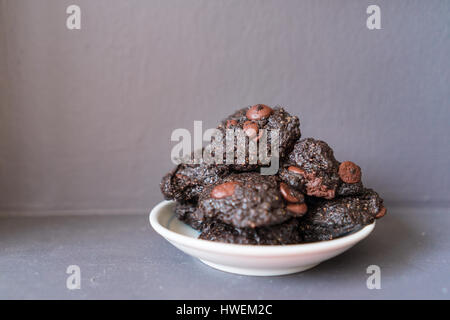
(296, 170)
(381, 213)
(298, 208)
(258, 112)
(289, 194)
(250, 128)
(231, 123)
(223, 190)
(349, 172)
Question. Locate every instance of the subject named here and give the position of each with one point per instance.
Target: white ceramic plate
(249, 259)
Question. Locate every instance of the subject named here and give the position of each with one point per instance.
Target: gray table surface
(121, 257)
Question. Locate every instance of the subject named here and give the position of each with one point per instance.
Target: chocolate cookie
(250, 200)
(189, 214)
(349, 179)
(349, 189)
(251, 120)
(313, 196)
(330, 219)
(280, 234)
(186, 181)
(312, 169)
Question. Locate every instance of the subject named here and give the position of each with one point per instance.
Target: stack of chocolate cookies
(313, 197)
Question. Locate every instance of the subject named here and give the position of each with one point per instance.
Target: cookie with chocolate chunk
(252, 120)
(189, 214)
(330, 219)
(280, 234)
(349, 179)
(312, 169)
(186, 181)
(250, 200)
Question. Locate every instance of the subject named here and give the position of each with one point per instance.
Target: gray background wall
(86, 116)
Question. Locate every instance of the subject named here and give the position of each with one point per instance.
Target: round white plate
(249, 259)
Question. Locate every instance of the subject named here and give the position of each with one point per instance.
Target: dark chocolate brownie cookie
(186, 181)
(249, 200)
(189, 214)
(329, 219)
(349, 189)
(312, 169)
(285, 233)
(251, 120)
